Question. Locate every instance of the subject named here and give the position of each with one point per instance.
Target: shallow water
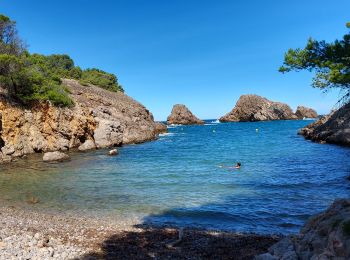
(176, 179)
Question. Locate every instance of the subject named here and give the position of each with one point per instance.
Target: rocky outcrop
(334, 128)
(256, 108)
(87, 145)
(325, 236)
(161, 128)
(305, 112)
(106, 118)
(181, 115)
(55, 156)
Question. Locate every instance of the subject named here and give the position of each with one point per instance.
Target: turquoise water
(176, 180)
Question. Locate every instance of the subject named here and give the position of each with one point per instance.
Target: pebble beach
(27, 234)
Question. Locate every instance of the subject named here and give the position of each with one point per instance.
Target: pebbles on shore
(29, 234)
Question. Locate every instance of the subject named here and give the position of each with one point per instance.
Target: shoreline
(29, 234)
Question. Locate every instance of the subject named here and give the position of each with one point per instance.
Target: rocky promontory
(305, 112)
(325, 236)
(181, 115)
(256, 108)
(99, 118)
(333, 128)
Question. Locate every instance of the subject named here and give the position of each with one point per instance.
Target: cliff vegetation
(28, 77)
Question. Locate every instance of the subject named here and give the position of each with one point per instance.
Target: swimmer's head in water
(238, 164)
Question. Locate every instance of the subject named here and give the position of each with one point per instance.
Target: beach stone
(87, 145)
(181, 115)
(55, 156)
(305, 112)
(250, 108)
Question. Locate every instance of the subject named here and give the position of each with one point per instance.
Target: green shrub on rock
(101, 79)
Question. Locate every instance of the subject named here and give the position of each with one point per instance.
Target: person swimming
(237, 166)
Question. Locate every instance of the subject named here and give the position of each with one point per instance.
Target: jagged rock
(55, 156)
(333, 128)
(108, 133)
(305, 112)
(87, 145)
(161, 128)
(257, 108)
(112, 118)
(324, 236)
(181, 115)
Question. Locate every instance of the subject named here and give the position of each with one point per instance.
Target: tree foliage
(330, 62)
(29, 77)
(100, 78)
(10, 43)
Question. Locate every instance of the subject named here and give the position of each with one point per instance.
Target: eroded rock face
(334, 128)
(325, 236)
(55, 156)
(256, 108)
(305, 112)
(181, 115)
(106, 118)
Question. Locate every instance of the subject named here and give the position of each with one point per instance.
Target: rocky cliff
(305, 112)
(325, 236)
(257, 108)
(181, 115)
(99, 117)
(334, 128)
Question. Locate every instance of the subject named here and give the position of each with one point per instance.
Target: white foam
(166, 134)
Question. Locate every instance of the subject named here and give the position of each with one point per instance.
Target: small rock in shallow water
(55, 156)
(113, 152)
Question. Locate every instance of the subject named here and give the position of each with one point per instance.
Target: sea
(185, 179)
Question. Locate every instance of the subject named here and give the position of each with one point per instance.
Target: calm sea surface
(176, 179)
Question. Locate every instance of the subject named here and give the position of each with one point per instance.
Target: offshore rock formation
(181, 115)
(256, 108)
(333, 128)
(99, 118)
(325, 236)
(161, 128)
(305, 112)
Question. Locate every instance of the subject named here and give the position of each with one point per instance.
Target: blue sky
(204, 54)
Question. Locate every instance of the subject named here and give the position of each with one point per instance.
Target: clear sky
(204, 54)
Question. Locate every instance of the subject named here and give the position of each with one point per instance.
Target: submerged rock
(55, 156)
(181, 115)
(325, 236)
(305, 112)
(256, 108)
(333, 128)
(106, 117)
